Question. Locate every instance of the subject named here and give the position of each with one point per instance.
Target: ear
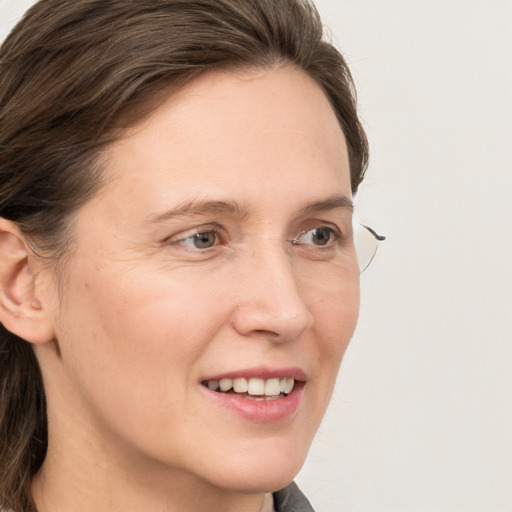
(21, 311)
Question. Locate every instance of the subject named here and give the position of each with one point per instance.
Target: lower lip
(260, 411)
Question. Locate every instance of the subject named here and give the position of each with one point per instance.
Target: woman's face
(183, 274)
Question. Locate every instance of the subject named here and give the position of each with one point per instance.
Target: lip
(260, 411)
(262, 372)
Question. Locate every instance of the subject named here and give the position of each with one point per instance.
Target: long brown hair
(73, 74)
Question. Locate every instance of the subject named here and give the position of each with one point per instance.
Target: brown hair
(69, 72)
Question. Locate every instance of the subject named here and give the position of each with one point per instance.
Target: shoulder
(291, 499)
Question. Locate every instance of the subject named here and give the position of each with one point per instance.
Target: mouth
(261, 395)
(253, 388)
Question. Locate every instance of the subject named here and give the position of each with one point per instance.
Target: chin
(259, 481)
(264, 469)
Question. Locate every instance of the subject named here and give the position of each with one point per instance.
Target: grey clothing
(291, 499)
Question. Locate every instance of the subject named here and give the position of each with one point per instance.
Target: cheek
(335, 314)
(130, 349)
(122, 331)
(335, 311)
(334, 304)
(153, 320)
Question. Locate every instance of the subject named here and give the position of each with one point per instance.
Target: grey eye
(316, 236)
(321, 236)
(203, 240)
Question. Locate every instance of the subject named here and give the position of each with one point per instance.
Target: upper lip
(262, 372)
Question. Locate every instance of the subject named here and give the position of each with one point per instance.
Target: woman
(178, 279)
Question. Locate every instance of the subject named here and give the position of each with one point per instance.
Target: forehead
(257, 133)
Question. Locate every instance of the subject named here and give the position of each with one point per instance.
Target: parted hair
(73, 75)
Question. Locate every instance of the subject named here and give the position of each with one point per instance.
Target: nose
(269, 302)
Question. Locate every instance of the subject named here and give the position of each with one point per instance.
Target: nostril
(264, 332)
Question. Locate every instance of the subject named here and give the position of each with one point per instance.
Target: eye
(320, 236)
(201, 240)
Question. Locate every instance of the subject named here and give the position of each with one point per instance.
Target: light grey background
(421, 419)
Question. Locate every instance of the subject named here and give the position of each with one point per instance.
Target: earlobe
(21, 310)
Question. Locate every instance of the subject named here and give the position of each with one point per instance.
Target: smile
(259, 394)
(253, 388)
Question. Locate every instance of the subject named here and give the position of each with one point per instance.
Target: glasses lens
(366, 242)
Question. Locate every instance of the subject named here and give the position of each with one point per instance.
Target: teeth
(289, 385)
(240, 385)
(256, 386)
(225, 384)
(272, 387)
(213, 384)
(253, 386)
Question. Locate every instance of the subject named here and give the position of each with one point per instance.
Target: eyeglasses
(366, 242)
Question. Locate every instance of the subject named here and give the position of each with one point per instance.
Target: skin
(142, 316)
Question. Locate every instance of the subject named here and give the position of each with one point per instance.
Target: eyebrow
(331, 203)
(198, 207)
(232, 208)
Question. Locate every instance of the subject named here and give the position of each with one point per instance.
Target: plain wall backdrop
(421, 419)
